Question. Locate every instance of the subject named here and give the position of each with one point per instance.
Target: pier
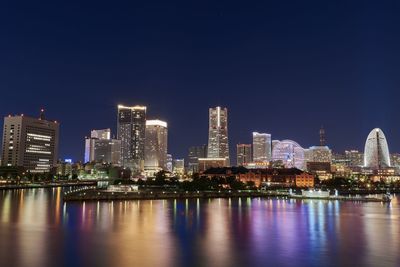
(93, 194)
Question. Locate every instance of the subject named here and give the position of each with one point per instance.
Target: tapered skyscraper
(218, 144)
(131, 130)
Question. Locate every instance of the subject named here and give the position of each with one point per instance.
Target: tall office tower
(243, 154)
(131, 130)
(262, 147)
(218, 144)
(196, 152)
(156, 146)
(31, 143)
(103, 134)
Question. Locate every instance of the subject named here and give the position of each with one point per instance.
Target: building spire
(42, 117)
(322, 140)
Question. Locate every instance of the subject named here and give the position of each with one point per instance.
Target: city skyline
(200, 133)
(232, 144)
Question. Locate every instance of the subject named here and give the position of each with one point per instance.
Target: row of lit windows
(39, 137)
(37, 151)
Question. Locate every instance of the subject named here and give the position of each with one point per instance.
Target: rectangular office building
(31, 143)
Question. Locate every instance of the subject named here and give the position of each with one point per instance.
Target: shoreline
(50, 185)
(103, 195)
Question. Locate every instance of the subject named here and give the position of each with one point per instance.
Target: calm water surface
(37, 230)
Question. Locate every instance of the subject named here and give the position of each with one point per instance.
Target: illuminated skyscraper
(218, 144)
(156, 146)
(262, 147)
(31, 143)
(131, 130)
(376, 152)
(243, 154)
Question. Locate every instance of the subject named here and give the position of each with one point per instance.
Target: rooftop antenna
(322, 140)
(42, 117)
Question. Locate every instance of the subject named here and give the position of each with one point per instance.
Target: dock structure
(105, 195)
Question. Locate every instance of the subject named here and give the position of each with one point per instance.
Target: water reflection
(38, 229)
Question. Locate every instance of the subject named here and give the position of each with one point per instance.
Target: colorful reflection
(38, 229)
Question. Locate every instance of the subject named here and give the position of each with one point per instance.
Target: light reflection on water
(38, 229)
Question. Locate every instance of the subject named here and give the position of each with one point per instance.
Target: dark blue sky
(283, 67)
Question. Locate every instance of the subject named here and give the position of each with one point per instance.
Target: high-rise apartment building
(262, 147)
(243, 154)
(31, 143)
(218, 143)
(156, 146)
(131, 130)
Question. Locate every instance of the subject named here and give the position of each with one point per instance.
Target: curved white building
(376, 152)
(290, 153)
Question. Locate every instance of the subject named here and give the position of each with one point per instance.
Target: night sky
(284, 67)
